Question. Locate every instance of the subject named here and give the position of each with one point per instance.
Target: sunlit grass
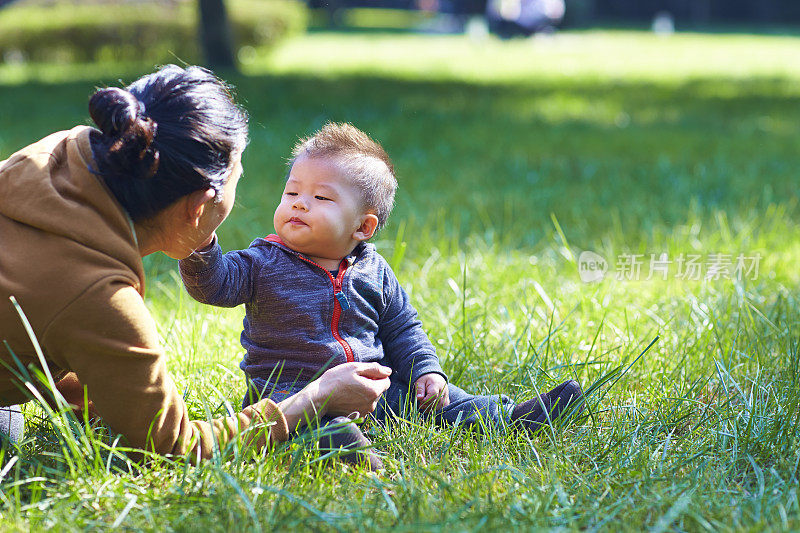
(512, 159)
(599, 55)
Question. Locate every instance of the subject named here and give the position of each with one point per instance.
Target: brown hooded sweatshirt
(69, 256)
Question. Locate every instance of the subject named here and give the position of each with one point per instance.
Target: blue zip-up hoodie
(300, 319)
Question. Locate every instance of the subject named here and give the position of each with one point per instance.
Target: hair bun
(114, 110)
(128, 134)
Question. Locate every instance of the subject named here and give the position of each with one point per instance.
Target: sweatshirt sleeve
(214, 278)
(108, 338)
(405, 344)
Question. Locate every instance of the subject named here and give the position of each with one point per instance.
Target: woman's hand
(73, 392)
(341, 390)
(352, 387)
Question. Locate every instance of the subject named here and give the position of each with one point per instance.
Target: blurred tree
(333, 12)
(216, 40)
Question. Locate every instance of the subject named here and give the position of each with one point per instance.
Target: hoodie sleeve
(214, 278)
(405, 344)
(108, 338)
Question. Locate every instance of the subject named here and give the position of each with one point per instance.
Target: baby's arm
(214, 278)
(405, 344)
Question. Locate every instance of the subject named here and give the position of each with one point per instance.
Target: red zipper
(338, 297)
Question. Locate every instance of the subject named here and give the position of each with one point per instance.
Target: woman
(78, 211)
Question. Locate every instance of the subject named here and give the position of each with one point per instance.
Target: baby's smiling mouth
(297, 222)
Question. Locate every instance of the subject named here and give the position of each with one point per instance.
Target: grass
(513, 157)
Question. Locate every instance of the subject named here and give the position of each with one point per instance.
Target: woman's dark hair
(166, 135)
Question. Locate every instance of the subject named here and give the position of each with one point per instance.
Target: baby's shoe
(341, 434)
(533, 414)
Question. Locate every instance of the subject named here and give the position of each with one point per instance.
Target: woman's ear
(369, 223)
(195, 204)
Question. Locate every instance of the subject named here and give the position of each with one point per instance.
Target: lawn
(513, 158)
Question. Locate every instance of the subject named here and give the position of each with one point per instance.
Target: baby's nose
(299, 204)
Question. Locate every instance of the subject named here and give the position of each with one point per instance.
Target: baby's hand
(432, 392)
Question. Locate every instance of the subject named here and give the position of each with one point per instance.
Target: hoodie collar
(360, 249)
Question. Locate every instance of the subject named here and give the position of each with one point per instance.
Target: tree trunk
(216, 40)
(333, 13)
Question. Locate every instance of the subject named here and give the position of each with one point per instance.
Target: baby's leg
(479, 412)
(332, 433)
(564, 400)
(476, 411)
(260, 388)
(340, 433)
(490, 411)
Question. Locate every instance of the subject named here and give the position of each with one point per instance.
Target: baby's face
(320, 210)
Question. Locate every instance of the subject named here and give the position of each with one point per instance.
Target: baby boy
(317, 294)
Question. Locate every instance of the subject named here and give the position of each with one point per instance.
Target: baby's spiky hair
(362, 160)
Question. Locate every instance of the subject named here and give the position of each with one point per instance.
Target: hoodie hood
(49, 186)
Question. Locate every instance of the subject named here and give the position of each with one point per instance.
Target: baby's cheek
(334, 224)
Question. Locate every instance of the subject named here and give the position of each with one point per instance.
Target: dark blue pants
(399, 401)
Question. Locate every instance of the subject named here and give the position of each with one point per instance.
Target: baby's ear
(369, 223)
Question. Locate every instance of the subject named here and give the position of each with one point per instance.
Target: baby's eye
(287, 193)
(318, 197)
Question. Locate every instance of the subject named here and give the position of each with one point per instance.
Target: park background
(649, 133)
